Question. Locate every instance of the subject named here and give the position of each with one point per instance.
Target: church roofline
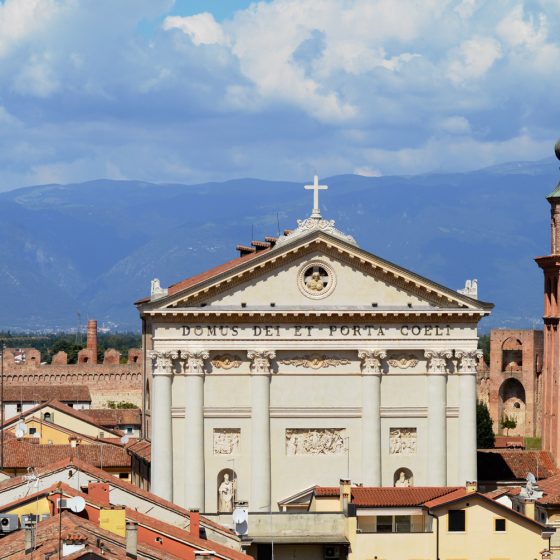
(240, 264)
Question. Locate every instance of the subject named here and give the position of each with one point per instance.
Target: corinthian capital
(468, 360)
(162, 362)
(437, 360)
(260, 360)
(194, 361)
(371, 360)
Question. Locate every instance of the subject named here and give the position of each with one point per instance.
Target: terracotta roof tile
(397, 497)
(104, 476)
(43, 393)
(446, 498)
(514, 464)
(156, 525)
(142, 449)
(21, 454)
(108, 417)
(188, 282)
(327, 491)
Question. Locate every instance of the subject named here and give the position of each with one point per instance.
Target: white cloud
(202, 28)
(282, 88)
(455, 125)
(37, 77)
(473, 59)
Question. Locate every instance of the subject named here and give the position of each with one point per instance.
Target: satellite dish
(240, 518)
(77, 504)
(19, 433)
(125, 439)
(21, 426)
(531, 478)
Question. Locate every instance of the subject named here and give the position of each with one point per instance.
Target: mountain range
(92, 248)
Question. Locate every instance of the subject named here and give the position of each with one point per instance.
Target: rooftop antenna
(277, 224)
(252, 232)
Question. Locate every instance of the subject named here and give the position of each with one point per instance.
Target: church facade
(303, 362)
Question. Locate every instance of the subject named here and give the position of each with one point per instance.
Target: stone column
(260, 429)
(371, 415)
(467, 414)
(194, 429)
(162, 430)
(436, 451)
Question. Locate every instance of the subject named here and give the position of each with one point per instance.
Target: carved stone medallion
(226, 361)
(315, 441)
(226, 441)
(316, 279)
(402, 441)
(315, 361)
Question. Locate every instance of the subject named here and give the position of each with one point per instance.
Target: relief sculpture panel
(315, 441)
(402, 441)
(226, 441)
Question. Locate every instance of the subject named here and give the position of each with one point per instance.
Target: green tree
(120, 404)
(508, 424)
(484, 432)
(484, 345)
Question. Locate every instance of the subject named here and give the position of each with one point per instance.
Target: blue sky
(192, 91)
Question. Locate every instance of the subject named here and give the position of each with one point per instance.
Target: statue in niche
(402, 481)
(226, 495)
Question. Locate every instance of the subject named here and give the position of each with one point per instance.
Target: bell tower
(551, 359)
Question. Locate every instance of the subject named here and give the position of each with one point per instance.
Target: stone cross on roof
(315, 187)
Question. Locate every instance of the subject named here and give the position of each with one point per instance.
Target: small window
(384, 524)
(129, 430)
(18, 407)
(456, 520)
(123, 475)
(32, 431)
(499, 525)
(402, 523)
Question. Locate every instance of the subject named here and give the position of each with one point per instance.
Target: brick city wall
(108, 381)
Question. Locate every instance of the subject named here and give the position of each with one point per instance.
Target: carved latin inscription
(226, 441)
(402, 441)
(317, 441)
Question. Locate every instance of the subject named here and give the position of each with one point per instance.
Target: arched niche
(403, 477)
(226, 490)
(512, 355)
(513, 404)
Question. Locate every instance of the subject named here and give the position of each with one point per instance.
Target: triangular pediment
(317, 271)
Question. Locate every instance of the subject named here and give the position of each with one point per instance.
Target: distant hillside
(94, 247)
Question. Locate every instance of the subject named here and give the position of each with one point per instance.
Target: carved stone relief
(402, 441)
(371, 360)
(315, 361)
(226, 441)
(226, 361)
(315, 441)
(403, 363)
(316, 279)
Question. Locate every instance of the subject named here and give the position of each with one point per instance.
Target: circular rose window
(316, 280)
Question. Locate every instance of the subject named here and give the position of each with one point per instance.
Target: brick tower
(551, 355)
(92, 339)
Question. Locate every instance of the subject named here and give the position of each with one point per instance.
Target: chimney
(92, 339)
(194, 515)
(99, 492)
(29, 540)
(472, 486)
(131, 539)
(345, 494)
